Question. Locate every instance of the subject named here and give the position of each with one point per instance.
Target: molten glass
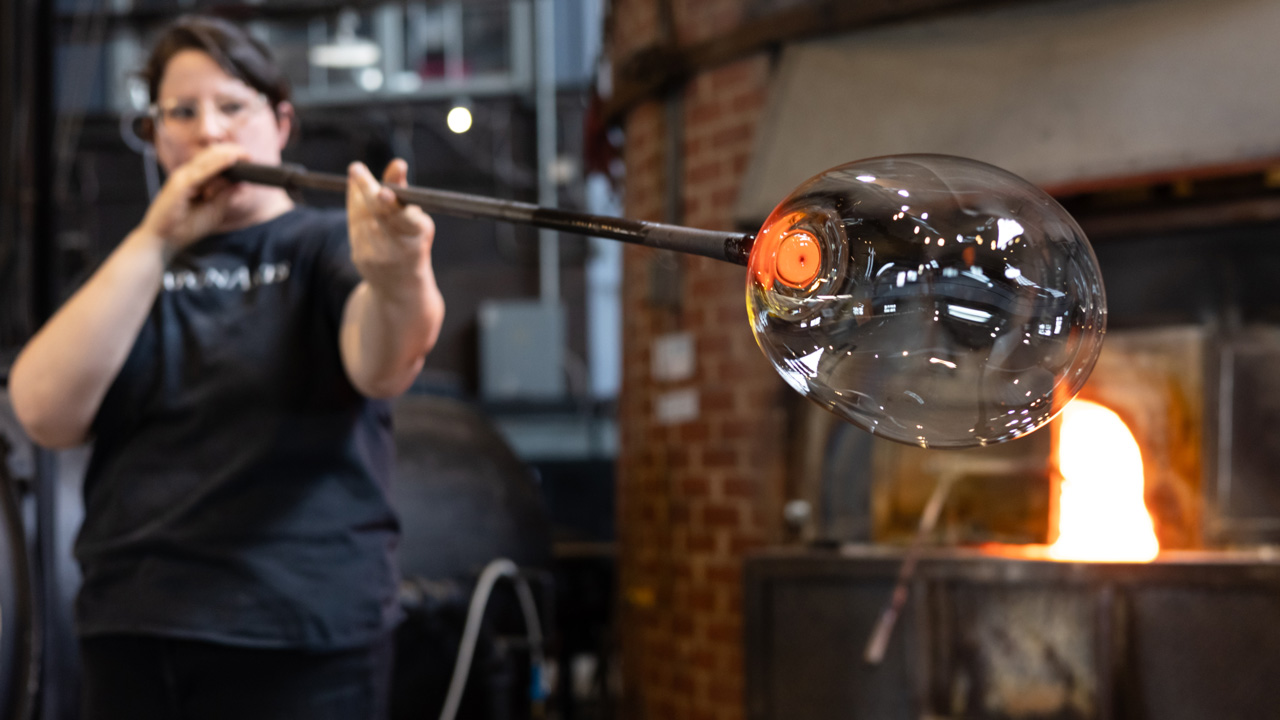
(932, 300)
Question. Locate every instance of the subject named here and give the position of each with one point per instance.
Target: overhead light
(356, 54)
(459, 118)
(370, 78)
(347, 50)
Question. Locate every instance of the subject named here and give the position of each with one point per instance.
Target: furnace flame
(1101, 512)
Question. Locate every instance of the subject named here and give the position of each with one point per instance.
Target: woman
(232, 361)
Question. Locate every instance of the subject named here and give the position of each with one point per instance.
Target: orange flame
(1101, 512)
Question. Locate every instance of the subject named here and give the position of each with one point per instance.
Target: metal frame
(1117, 594)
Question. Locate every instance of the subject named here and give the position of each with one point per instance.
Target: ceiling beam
(657, 68)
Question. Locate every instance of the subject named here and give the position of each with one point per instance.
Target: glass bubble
(932, 300)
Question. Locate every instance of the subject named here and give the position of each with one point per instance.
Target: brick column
(694, 494)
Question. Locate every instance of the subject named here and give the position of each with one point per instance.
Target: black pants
(135, 678)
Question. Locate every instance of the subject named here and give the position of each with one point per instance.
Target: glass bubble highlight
(932, 300)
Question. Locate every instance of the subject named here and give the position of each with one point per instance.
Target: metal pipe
(878, 643)
(718, 245)
(545, 94)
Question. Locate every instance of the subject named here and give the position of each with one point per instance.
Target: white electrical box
(522, 350)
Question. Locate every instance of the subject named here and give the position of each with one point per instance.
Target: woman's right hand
(193, 201)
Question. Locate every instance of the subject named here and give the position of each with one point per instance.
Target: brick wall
(696, 493)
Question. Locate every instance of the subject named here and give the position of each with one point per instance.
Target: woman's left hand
(392, 319)
(390, 242)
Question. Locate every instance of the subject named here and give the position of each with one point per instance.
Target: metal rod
(727, 246)
(878, 643)
(544, 84)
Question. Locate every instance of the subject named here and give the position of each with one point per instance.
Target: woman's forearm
(386, 335)
(59, 379)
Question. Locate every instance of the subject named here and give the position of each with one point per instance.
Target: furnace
(995, 628)
(1189, 636)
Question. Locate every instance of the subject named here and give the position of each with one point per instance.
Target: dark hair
(238, 53)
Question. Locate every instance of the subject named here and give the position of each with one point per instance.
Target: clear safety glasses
(184, 116)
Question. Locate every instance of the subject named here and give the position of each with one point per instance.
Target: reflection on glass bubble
(928, 299)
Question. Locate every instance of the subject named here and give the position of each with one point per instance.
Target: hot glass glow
(1102, 515)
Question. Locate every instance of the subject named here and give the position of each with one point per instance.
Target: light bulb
(459, 119)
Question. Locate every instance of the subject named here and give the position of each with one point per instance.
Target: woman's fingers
(397, 173)
(208, 166)
(376, 200)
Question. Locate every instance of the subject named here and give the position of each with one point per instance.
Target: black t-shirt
(238, 489)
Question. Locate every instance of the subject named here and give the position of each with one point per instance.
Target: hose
(497, 568)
